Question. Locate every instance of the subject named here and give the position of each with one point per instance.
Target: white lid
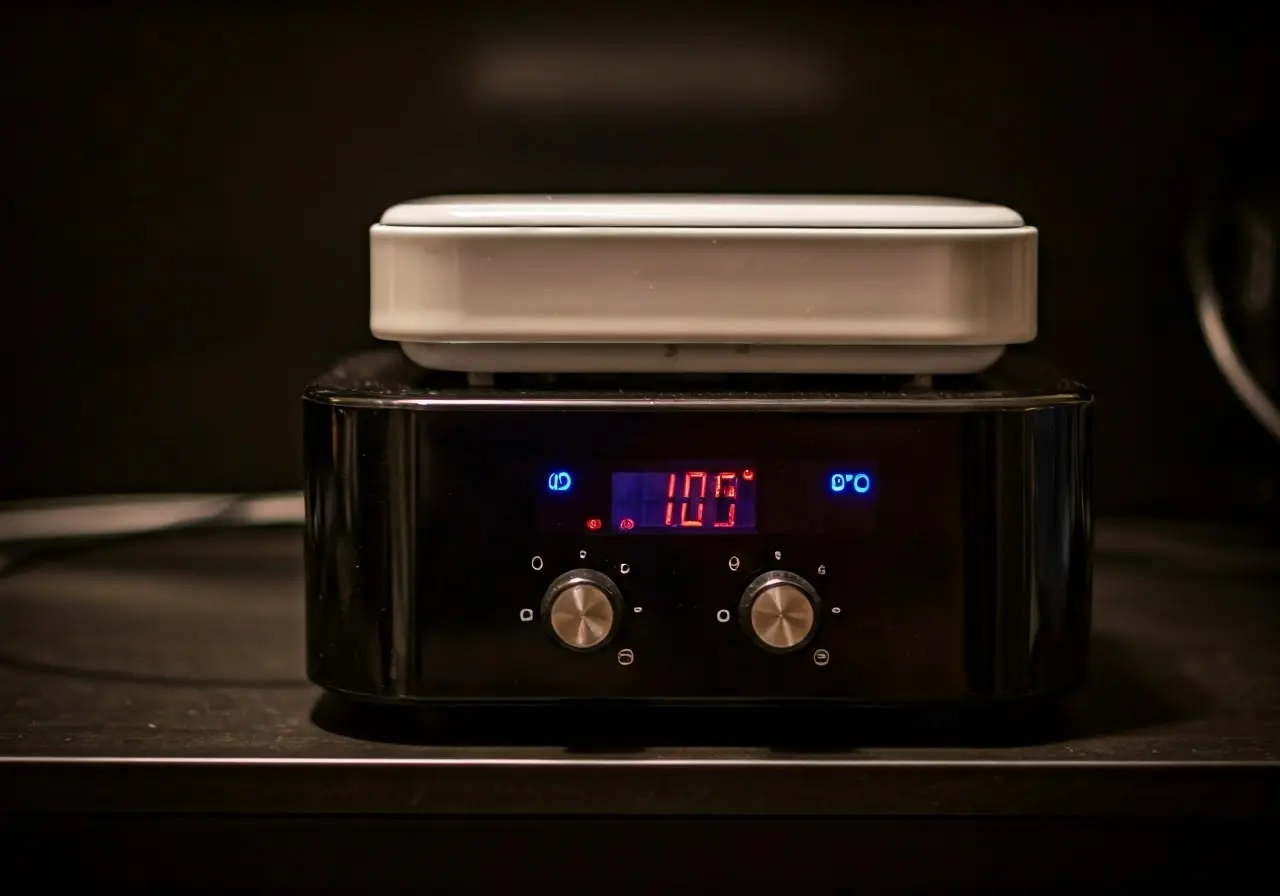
(841, 212)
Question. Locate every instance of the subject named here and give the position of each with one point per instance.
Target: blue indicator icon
(858, 482)
(559, 482)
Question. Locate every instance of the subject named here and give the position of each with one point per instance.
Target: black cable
(24, 556)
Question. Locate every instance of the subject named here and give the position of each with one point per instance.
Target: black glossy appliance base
(729, 541)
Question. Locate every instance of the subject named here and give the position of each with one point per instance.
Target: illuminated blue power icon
(559, 481)
(859, 482)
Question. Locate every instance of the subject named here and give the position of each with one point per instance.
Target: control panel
(630, 555)
(584, 609)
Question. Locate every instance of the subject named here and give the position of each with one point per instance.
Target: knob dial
(582, 609)
(779, 610)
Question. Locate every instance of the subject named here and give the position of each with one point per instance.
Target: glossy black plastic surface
(964, 577)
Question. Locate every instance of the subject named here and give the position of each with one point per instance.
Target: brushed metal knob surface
(581, 609)
(582, 616)
(780, 610)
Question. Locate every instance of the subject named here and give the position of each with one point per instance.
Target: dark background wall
(193, 186)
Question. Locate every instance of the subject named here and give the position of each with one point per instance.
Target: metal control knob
(779, 610)
(582, 609)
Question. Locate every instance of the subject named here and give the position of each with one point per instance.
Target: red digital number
(687, 499)
(727, 487)
(689, 496)
(693, 504)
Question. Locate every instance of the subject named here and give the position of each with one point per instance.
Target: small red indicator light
(627, 524)
(594, 524)
(748, 475)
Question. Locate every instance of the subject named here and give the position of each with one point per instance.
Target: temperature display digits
(707, 496)
(713, 499)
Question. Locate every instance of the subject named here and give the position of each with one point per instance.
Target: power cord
(1212, 319)
(33, 534)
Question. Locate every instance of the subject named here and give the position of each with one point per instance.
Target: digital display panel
(711, 498)
(678, 497)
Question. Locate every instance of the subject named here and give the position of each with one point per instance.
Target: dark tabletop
(166, 675)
